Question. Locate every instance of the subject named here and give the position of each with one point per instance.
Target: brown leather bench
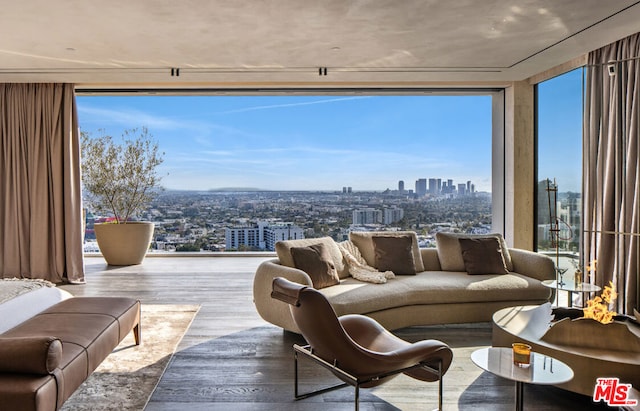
(47, 357)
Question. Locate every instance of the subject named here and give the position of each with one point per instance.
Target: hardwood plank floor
(230, 359)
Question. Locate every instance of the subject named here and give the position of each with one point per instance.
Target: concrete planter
(124, 244)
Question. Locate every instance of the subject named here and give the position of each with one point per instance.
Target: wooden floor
(230, 359)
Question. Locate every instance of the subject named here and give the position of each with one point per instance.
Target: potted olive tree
(120, 178)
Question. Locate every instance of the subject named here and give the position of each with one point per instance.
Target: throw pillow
(482, 256)
(283, 249)
(363, 240)
(394, 254)
(358, 267)
(315, 260)
(450, 255)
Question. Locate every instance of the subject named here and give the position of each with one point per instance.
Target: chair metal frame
(351, 380)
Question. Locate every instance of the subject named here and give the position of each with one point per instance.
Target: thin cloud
(203, 133)
(222, 153)
(306, 103)
(289, 150)
(126, 117)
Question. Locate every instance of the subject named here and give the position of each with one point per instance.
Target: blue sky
(560, 130)
(306, 142)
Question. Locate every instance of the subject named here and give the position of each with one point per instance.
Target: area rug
(127, 377)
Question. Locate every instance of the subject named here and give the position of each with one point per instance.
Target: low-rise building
(263, 236)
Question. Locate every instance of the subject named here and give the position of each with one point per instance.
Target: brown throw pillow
(363, 240)
(394, 254)
(283, 250)
(483, 255)
(450, 255)
(315, 260)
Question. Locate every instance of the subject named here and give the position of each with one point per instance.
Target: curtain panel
(611, 164)
(40, 196)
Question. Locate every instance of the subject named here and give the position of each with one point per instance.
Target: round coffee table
(544, 370)
(571, 288)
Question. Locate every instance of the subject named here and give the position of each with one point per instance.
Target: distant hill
(236, 189)
(216, 190)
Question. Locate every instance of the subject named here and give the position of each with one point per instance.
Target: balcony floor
(231, 359)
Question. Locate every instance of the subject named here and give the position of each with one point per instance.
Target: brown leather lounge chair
(355, 348)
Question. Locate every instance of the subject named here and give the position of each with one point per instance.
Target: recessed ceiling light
(336, 48)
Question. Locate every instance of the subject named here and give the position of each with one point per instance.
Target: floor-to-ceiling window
(310, 165)
(559, 166)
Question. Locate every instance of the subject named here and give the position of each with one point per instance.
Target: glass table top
(571, 286)
(543, 370)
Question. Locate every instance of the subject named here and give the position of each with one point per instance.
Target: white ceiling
(285, 42)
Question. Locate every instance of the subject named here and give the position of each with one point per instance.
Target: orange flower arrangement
(598, 307)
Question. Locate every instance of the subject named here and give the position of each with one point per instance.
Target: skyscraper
(433, 186)
(421, 187)
(401, 186)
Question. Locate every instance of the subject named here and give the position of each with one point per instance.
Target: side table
(571, 288)
(544, 370)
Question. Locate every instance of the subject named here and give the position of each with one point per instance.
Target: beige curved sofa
(432, 296)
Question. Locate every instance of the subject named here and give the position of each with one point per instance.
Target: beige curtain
(611, 168)
(40, 198)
